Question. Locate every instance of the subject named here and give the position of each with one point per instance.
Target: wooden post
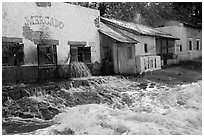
(38, 52)
(55, 57)
(118, 60)
(167, 47)
(161, 47)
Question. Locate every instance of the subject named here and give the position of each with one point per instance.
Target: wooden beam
(12, 39)
(76, 43)
(46, 41)
(167, 47)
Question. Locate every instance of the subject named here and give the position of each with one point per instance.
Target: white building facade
(67, 24)
(190, 44)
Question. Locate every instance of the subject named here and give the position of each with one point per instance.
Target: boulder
(46, 114)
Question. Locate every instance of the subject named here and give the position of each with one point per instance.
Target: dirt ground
(167, 101)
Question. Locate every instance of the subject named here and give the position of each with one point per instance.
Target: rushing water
(16, 125)
(100, 109)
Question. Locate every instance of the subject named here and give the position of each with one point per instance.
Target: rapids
(106, 105)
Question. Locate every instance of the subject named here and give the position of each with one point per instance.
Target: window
(180, 48)
(84, 54)
(12, 51)
(190, 43)
(129, 52)
(145, 48)
(80, 53)
(197, 44)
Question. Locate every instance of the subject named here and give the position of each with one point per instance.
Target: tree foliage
(148, 12)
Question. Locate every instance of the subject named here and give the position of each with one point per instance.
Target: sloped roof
(115, 34)
(198, 26)
(137, 28)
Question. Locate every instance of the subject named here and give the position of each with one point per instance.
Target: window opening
(190, 43)
(129, 52)
(12, 54)
(145, 48)
(181, 48)
(198, 44)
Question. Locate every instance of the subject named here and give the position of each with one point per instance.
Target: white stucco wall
(194, 34)
(151, 45)
(139, 47)
(178, 32)
(77, 24)
(184, 33)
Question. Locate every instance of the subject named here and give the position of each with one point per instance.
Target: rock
(18, 94)
(181, 99)
(178, 73)
(22, 85)
(50, 87)
(85, 83)
(15, 94)
(143, 85)
(46, 114)
(24, 93)
(54, 111)
(4, 112)
(5, 96)
(24, 115)
(64, 132)
(126, 98)
(116, 94)
(152, 85)
(180, 102)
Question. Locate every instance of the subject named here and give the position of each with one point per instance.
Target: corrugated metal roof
(139, 28)
(115, 34)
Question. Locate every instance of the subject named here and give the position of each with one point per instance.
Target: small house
(190, 44)
(117, 51)
(150, 48)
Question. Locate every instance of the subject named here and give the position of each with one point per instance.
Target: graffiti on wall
(36, 20)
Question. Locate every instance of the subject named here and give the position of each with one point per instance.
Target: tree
(189, 11)
(148, 12)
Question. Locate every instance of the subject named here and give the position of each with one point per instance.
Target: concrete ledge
(19, 74)
(29, 74)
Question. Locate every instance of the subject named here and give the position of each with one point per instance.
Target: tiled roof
(111, 32)
(137, 28)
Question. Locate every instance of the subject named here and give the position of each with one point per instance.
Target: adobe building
(190, 44)
(47, 34)
(134, 48)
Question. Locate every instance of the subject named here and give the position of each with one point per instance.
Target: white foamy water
(96, 119)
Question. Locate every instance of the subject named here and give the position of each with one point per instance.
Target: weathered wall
(178, 32)
(151, 45)
(105, 42)
(58, 21)
(114, 56)
(194, 34)
(107, 56)
(17, 74)
(139, 47)
(184, 33)
(126, 65)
